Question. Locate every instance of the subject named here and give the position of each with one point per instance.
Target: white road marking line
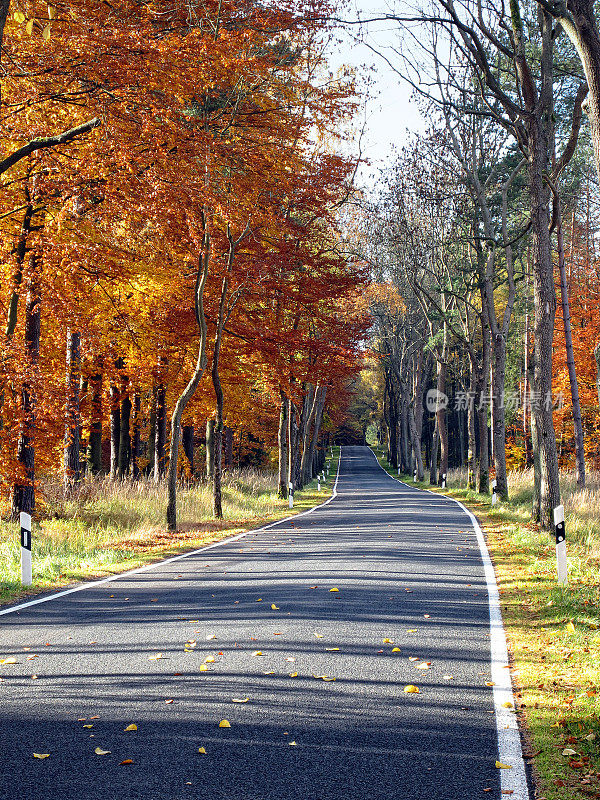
(82, 587)
(509, 739)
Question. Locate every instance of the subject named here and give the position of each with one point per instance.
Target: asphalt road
(408, 569)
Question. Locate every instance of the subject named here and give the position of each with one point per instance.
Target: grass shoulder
(553, 632)
(109, 527)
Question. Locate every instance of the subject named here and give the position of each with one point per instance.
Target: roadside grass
(553, 632)
(107, 527)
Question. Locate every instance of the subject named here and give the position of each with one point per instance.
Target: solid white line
(83, 586)
(509, 741)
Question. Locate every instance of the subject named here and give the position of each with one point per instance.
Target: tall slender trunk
(94, 447)
(292, 443)
(311, 407)
(282, 445)
(190, 389)
(416, 443)
(136, 439)
(433, 456)
(24, 489)
(312, 446)
(124, 429)
(544, 311)
(115, 429)
(210, 448)
(441, 420)
(471, 422)
(160, 439)
(187, 442)
(566, 315)
(72, 471)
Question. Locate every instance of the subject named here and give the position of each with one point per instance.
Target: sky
(389, 114)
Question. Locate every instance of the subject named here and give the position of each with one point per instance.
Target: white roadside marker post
(561, 544)
(444, 481)
(415, 476)
(318, 483)
(26, 576)
(398, 470)
(291, 494)
(494, 495)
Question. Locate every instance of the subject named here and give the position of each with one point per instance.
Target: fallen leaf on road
(569, 627)
(257, 653)
(132, 727)
(500, 765)
(323, 677)
(448, 677)
(331, 649)
(427, 616)
(293, 674)
(88, 726)
(209, 660)
(413, 658)
(155, 657)
(125, 761)
(395, 649)
(224, 723)
(240, 699)
(411, 630)
(202, 750)
(41, 755)
(318, 635)
(274, 607)
(169, 702)
(388, 641)
(411, 689)
(335, 589)
(269, 673)
(10, 660)
(291, 659)
(424, 665)
(508, 704)
(203, 668)
(292, 744)
(490, 683)
(210, 636)
(259, 600)
(100, 752)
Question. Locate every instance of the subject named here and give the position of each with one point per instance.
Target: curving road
(408, 568)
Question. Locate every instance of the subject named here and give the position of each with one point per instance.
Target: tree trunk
(24, 489)
(160, 440)
(124, 430)
(72, 472)
(435, 440)
(115, 430)
(544, 310)
(499, 415)
(311, 410)
(210, 448)
(94, 448)
(149, 470)
(581, 27)
(187, 441)
(312, 447)
(441, 419)
(471, 422)
(416, 443)
(188, 392)
(282, 446)
(564, 295)
(136, 441)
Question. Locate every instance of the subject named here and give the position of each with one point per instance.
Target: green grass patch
(107, 527)
(553, 632)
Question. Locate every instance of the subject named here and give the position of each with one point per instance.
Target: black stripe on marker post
(25, 539)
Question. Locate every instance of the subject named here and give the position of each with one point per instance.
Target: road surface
(411, 609)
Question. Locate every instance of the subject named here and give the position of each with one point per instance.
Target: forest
(175, 290)
(194, 281)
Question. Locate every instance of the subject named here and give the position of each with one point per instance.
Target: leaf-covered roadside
(554, 643)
